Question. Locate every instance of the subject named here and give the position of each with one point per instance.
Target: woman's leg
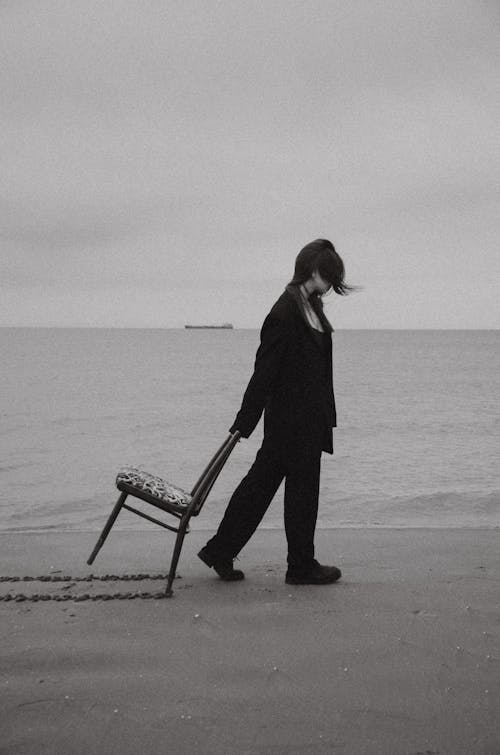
(248, 504)
(301, 510)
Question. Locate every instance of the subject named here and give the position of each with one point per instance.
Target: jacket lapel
(294, 294)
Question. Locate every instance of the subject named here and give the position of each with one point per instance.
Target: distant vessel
(224, 326)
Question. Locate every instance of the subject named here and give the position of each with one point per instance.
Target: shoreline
(319, 528)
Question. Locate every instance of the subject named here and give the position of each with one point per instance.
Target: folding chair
(167, 497)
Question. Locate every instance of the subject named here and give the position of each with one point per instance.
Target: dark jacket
(292, 381)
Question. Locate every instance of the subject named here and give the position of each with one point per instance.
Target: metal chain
(87, 578)
(147, 595)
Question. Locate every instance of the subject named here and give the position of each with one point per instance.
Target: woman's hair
(320, 255)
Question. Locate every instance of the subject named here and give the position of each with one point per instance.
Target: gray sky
(164, 162)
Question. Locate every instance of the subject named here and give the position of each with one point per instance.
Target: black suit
(292, 384)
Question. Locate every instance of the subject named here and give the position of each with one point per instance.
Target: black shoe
(316, 574)
(223, 566)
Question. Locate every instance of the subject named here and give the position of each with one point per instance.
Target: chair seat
(152, 488)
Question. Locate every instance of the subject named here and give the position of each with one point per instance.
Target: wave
(479, 501)
(436, 509)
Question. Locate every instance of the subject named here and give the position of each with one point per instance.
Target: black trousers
(252, 497)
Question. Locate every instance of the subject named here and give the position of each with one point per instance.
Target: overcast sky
(163, 162)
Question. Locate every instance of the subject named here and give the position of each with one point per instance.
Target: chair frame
(181, 512)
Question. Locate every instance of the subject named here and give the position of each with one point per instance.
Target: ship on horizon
(224, 326)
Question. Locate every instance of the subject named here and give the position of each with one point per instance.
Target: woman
(292, 383)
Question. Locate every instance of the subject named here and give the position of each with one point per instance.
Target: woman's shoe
(316, 574)
(223, 566)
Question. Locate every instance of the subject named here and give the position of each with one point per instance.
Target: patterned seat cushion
(152, 485)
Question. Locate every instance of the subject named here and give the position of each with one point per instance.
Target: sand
(401, 656)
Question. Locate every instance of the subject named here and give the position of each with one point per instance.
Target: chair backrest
(209, 475)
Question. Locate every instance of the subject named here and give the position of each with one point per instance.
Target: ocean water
(417, 442)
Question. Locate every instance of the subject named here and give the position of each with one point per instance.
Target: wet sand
(401, 656)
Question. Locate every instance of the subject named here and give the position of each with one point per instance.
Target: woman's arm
(269, 358)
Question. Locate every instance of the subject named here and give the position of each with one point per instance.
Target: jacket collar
(294, 294)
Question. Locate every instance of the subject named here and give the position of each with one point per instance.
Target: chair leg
(175, 556)
(107, 527)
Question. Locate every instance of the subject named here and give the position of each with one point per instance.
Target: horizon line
(182, 327)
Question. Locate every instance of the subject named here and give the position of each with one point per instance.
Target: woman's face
(320, 284)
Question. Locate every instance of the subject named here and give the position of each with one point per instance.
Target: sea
(417, 443)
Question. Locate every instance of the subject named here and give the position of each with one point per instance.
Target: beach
(401, 656)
